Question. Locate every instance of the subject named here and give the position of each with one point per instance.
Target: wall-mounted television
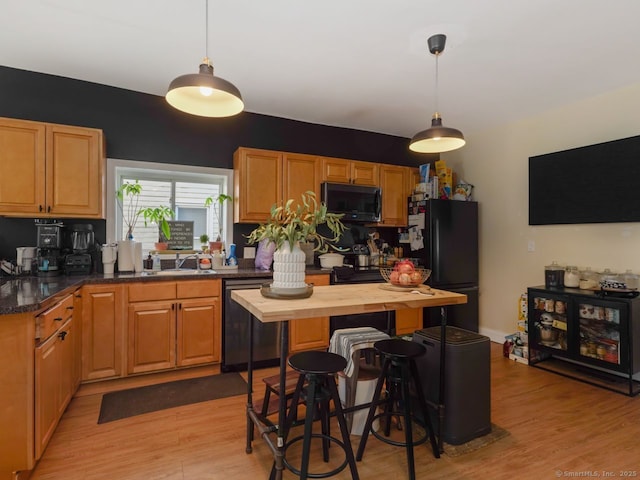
(594, 184)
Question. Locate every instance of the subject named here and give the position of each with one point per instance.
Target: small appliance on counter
(82, 240)
(49, 243)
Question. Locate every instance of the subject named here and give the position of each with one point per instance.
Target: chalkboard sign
(181, 235)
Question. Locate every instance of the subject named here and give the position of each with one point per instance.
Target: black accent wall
(144, 127)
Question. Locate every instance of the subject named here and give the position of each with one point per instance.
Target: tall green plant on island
(300, 224)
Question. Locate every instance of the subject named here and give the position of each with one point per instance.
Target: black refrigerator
(443, 236)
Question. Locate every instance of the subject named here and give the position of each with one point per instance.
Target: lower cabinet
(54, 383)
(173, 324)
(408, 320)
(310, 333)
(102, 331)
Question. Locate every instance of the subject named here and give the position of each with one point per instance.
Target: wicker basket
(386, 274)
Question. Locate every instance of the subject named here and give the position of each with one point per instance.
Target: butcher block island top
(341, 300)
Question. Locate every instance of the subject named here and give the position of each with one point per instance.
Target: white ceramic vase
(288, 267)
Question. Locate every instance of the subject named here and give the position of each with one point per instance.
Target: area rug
(135, 401)
(493, 436)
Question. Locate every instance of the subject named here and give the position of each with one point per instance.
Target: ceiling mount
(437, 138)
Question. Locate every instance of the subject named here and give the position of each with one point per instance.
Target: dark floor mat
(127, 403)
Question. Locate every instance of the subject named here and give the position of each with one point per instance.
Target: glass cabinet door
(600, 330)
(549, 321)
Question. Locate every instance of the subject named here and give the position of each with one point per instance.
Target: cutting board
(397, 288)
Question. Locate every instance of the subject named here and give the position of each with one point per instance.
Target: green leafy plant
(132, 213)
(300, 224)
(158, 216)
(217, 208)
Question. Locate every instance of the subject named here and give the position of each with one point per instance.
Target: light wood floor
(558, 428)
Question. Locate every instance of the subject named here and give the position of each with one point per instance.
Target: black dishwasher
(236, 321)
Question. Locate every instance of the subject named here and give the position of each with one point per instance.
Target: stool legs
(398, 375)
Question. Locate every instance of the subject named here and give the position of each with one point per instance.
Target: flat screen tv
(594, 184)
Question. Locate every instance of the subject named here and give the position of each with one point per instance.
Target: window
(182, 188)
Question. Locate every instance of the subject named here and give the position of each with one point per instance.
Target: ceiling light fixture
(202, 93)
(437, 139)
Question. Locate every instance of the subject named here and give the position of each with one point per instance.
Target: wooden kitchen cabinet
(102, 331)
(264, 177)
(338, 170)
(54, 378)
(393, 183)
(50, 170)
(408, 320)
(310, 333)
(173, 324)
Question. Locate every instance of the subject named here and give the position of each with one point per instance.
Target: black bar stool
(318, 369)
(398, 372)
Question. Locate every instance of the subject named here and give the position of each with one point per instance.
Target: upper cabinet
(264, 177)
(338, 170)
(393, 183)
(49, 170)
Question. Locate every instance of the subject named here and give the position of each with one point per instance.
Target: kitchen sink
(180, 271)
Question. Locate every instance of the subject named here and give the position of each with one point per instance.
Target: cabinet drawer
(199, 288)
(144, 292)
(49, 321)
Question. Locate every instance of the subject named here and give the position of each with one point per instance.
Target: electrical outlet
(531, 246)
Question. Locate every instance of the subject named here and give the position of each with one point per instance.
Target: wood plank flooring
(558, 428)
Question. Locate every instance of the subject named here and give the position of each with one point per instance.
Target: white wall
(495, 161)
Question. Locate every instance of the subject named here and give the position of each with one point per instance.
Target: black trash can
(467, 395)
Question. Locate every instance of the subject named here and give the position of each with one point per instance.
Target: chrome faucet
(180, 262)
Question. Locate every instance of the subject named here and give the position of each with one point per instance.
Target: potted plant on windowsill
(217, 212)
(131, 213)
(159, 216)
(289, 225)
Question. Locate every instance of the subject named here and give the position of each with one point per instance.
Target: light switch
(531, 246)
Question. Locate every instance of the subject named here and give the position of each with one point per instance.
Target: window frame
(116, 167)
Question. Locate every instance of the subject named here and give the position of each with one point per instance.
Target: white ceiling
(361, 64)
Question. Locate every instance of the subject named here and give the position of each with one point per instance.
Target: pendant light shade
(437, 138)
(203, 93)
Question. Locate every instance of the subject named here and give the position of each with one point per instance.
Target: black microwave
(358, 203)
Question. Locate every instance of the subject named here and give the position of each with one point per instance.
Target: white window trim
(113, 164)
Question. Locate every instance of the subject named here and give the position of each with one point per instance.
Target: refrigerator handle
(435, 254)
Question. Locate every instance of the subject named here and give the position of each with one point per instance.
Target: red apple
(405, 266)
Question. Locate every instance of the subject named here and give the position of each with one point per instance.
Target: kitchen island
(326, 300)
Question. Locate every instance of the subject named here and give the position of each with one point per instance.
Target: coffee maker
(49, 243)
(82, 241)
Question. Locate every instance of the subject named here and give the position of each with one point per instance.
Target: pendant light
(202, 93)
(437, 139)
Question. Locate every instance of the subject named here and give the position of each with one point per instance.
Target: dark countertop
(32, 293)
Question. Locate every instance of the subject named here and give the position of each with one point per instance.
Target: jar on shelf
(572, 277)
(589, 280)
(631, 279)
(554, 275)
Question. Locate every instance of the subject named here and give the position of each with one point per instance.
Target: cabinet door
(66, 338)
(198, 331)
(413, 178)
(364, 173)
(393, 183)
(550, 323)
(74, 172)
(77, 339)
(151, 336)
(408, 320)
(336, 170)
(301, 173)
(310, 333)
(257, 184)
(47, 391)
(22, 167)
(102, 331)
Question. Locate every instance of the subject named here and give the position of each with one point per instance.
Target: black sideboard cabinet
(586, 335)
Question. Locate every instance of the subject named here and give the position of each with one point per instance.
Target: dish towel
(346, 341)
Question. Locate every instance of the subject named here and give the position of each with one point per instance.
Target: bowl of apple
(405, 274)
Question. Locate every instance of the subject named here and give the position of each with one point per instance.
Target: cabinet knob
(70, 308)
(57, 319)
(62, 335)
(40, 207)
(49, 209)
